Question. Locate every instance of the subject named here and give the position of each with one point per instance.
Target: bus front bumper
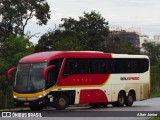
(26, 102)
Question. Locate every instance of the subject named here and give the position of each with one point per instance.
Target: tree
(69, 44)
(16, 14)
(152, 50)
(51, 40)
(15, 48)
(116, 45)
(92, 26)
(4, 31)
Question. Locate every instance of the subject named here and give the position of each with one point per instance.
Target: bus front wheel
(62, 102)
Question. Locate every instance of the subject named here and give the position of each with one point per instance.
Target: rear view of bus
(60, 79)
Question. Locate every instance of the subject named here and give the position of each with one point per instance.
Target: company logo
(14, 114)
(129, 78)
(6, 114)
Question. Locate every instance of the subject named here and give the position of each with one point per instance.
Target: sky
(143, 14)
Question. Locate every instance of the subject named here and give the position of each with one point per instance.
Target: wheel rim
(130, 99)
(62, 102)
(121, 100)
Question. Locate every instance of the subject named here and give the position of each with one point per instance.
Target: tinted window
(105, 66)
(77, 66)
(127, 65)
(52, 76)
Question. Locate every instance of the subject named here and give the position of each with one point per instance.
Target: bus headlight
(40, 96)
(14, 96)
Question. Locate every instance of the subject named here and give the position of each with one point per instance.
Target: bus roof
(48, 56)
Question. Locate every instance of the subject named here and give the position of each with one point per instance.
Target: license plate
(26, 103)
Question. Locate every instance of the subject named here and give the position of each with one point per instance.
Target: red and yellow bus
(64, 78)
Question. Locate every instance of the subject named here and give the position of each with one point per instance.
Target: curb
(15, 109)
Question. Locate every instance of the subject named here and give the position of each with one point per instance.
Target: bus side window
(116, 66)
(101, 66)
(108, 66)
(76, 66)
(143, 65)
(92, 66)
(83, 66)
(52, 76)
(111, 66)
(73, 66)
(67, 69)
(128, 66)
(86, 66)
(146, 65)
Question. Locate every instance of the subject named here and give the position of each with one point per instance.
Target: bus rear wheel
(62, 102)
(129, 100)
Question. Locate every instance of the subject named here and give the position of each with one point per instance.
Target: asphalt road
(139, 111)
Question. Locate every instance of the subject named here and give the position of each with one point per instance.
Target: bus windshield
(29, 77)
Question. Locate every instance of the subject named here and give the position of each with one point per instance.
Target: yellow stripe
(19, 95)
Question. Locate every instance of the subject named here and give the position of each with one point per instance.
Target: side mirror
(10, 71)
(45, 71)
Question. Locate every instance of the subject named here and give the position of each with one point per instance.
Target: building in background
(157, 38)
(133, 35)
(127, 35)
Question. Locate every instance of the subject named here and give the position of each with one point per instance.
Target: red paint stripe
(92, 96)
(83, 79)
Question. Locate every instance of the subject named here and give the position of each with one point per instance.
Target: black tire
(98, 105)
(121, 99)
(104, 105)
(114, 104)
(62, 102)
(129, 100)
(95, 105)
(36, 108)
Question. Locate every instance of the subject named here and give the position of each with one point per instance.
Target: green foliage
(153, 51)
(17, 13)
(89, 33)
(155, 78)
(15, 48)
(55, 40)
(69, 44)
(154, 118)
(92, 26)
(116, 45)
(90, 30)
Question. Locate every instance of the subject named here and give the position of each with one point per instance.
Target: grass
(154, 118)
(155, 94)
